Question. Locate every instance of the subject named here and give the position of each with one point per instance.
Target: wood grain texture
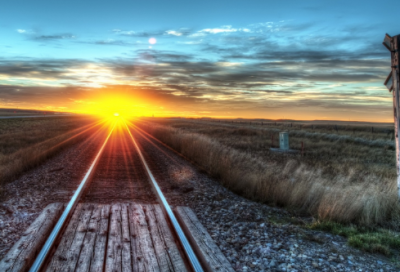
(168, 255)
(92, 241)
(143, 255)
(125, 240)
(209, 254)
(67, 253)
(97, 263)
(23, 253)
(114, 243)
(63, 246)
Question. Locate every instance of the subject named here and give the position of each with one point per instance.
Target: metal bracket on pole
(392, 82)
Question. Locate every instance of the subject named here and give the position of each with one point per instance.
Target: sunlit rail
(194, 262)
(40, 259)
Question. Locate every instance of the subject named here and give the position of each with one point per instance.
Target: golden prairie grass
(338, 184)
(24, 143)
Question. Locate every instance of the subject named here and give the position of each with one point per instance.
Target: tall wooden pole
(393, 44)
(396, 90)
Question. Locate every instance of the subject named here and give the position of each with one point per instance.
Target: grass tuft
(335, 228)
(371, 240)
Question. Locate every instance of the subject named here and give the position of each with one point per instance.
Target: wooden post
(396, 89)
(393, 44)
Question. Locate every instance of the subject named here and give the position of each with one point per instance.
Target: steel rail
(194, 262)
(44, 252)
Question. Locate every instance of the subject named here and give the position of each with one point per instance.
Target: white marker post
(392, 83)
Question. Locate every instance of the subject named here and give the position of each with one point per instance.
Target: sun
(116, 114)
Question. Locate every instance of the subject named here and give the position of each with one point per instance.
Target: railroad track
(118, 162)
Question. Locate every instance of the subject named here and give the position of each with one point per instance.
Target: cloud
(45, 69)
(34, 36)
(223, 29)
(182, 32)
(52, 37)
(174, 68)
(142, 34)
(111, 42)
(174, 33)
(124, 32)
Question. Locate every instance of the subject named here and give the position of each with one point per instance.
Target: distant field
(25, 142)
(18, 112)
(347, 173)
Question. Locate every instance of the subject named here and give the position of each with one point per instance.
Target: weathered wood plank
(67, 254)
(97, 264)
(23, 253)
(168, 255)
(209, 254)
(66, 240)
(143, 255)
(87, 251)
(126, 239)
(114, 244)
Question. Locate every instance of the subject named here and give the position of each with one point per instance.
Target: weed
(335, 228)
(371, 240)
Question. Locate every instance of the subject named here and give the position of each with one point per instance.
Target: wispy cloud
(124, 32)
(143, 34)
(35, 36)
(174, 33)
(111, 42)
(52, 37)
(223, 29)
(179, 32)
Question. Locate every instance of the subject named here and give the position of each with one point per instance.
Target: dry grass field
(25, 142)
(346, 178)
(342, 177)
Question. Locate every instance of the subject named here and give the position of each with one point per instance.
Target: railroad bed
(113, 222)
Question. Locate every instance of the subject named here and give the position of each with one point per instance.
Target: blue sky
(266, 59)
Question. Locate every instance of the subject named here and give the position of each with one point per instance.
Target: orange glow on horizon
(132, 102)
